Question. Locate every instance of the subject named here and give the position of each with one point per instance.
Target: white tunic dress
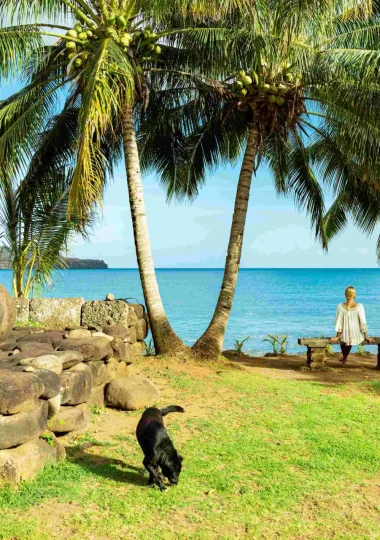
(351, 323)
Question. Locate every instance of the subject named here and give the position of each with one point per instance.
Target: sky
(196, 235)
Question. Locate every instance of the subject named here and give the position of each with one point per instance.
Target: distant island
(72, 263)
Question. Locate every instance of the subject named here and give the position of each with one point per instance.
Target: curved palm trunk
(164, 337)
(211, 343)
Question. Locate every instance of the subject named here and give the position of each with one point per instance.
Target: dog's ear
(180, 458)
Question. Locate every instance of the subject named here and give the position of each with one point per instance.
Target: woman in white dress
(350, 324)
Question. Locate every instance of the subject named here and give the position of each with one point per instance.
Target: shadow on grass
(112, 469)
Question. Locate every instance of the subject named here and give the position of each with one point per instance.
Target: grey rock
(141, 329)
(51, 382)
(48, 361)
(82, 367)
(119, 349)
(44, 337)
(116, 330)
(79, 333)
(26, 461)
(132, 335)
(69, 358)
(54, 404)
(99, 373)
(7, 313)
(68, 419)
(56, 312)
(131, 393)
(93, 349)
(132, 316)
(138, 309)
(97, 396)
(99, 313)
(18, 391)
(35, 349)
(75, 387)
(24, 426)
(102, 334)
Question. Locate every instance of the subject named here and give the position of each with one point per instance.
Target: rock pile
(50, 378)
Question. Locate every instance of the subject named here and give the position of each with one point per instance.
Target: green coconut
(72, 55)
(111, 32)
(111, 20)
(266, 87)
(239, 85)
(125, 41)
(70, 45)
(157, 49)
(89, 33)
(72, 33)
(241, 73)
(85, 56)
(247, 79)
(282, 89)
(78, 62)
(151, 47)
(140, 70)
(289, 77)
(121, 21)
(273, 89)
(243, 92)
(272, 99)
(82, 36)
(78, 28)
(280, 100)
(146, 34)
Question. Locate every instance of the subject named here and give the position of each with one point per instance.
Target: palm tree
(33, 218)
(303, 82)
(103, 66)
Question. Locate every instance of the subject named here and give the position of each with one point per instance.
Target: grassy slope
(264, 458)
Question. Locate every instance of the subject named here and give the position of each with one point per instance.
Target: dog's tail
(171, 408)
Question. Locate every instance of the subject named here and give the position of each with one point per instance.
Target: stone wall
(50, 378)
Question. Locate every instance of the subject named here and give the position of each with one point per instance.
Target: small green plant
(48, 438)
(239, 344)
(361, 350)
(95, 409)
(279, 343)
(150, 349)
(329, 348)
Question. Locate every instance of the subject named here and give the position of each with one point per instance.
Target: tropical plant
(104, 64)
(305, 82)
(149, 351)
(361, 350)
(239, 344)
(36, 229)
(279, 343)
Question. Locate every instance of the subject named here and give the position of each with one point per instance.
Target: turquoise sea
(296, 302)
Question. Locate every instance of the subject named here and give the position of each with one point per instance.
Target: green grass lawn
(264, 458)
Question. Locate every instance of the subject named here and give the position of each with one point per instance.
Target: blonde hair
(350, 292)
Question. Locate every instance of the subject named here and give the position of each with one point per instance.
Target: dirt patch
(293, 367)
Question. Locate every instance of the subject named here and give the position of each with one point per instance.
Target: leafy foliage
(279, 343)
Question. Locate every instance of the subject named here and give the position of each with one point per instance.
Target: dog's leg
(151, 468)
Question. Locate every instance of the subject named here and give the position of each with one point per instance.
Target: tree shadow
(112, 469)
(358, 368)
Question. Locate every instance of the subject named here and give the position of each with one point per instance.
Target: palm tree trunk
(165, 339)
(211, 342)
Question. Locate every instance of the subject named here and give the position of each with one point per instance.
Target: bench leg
(378, 357)
(316, 357)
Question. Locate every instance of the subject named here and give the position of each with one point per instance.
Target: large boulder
(44, 337)
(115, 330)
(24, 426)
(131, 393)
(51, 382)
(18, 391)
(22, 310)
(27, 460)
(119, 349)
(99, 313)
(7, 313)
(92, 349)
(69, 359)
(132, 320)
(138, 309)
(132, 335)
(48, 361)
(99, 373)
(141, 329)
(68, 419)
(75, 387)
(56, 312)
(79, 333)
(97, 396)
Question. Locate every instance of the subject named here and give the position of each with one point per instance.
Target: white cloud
(363, 251)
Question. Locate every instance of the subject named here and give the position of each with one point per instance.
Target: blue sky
(196, 235)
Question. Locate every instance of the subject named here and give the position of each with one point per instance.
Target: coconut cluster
(142, 43)
(272, 88)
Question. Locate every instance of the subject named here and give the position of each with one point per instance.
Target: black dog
(157, 447)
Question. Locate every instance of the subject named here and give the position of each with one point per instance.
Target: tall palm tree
(298, 87)
(103, 66)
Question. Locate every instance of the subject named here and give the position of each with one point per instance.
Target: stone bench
(316, 350)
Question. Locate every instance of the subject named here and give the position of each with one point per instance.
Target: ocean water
(293, 302)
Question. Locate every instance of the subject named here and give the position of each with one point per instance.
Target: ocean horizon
(297, 302)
